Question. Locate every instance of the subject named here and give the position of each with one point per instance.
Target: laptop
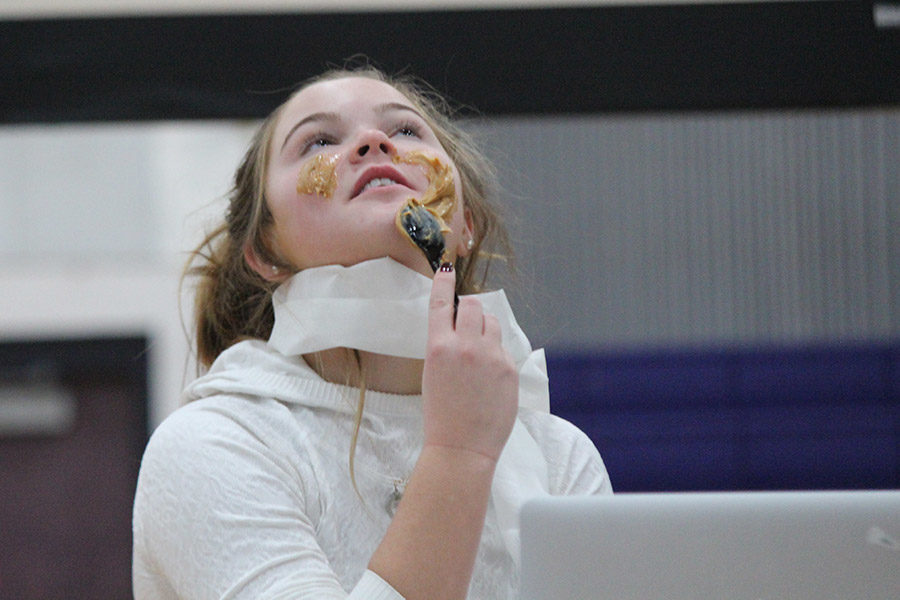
(704, 546)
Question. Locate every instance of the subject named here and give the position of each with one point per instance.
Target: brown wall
(65, 499)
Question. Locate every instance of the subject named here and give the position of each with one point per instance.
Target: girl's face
(338, 139)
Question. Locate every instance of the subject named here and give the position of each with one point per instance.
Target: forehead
(347, 95)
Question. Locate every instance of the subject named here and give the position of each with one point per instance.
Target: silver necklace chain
(399, 486)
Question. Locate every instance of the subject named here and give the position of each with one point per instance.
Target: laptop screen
(734, 546)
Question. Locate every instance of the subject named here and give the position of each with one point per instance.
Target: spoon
(424, 230)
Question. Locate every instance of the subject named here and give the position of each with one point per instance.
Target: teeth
(379, 182)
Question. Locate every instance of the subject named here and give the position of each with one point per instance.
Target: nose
(371, 143)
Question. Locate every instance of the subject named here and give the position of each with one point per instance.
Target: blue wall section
(821, 417)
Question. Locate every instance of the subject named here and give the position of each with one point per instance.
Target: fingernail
(447, 267)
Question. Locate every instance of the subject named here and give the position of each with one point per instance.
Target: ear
(468, 235)
(264, 269)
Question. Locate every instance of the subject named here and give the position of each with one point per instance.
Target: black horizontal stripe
(525, 61)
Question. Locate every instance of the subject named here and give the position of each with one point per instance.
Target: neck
(377, 372)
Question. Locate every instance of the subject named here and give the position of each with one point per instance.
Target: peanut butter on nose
(317, 176)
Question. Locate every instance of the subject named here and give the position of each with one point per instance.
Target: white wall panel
(69, 196)
(95, 225)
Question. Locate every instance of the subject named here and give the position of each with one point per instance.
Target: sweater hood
(252, 368)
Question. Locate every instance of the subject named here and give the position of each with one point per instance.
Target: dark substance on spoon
(424, 230)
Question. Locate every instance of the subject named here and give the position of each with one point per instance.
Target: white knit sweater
(245, 492)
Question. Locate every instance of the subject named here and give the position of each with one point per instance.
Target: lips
(377, 176)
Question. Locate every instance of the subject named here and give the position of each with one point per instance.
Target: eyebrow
(388, 106)
(319, 116)
(332, 116)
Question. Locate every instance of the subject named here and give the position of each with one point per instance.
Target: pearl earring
(275, 270)
(470, 244)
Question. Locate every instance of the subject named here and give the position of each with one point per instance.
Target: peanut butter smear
(424, 221)
(440, 197)
(421, 221)
(317, 176)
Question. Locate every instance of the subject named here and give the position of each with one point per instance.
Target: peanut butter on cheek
(424, 221)
(440, 197)
(317, 176)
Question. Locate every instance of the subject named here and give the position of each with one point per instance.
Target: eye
(408, 129)
(315, 141)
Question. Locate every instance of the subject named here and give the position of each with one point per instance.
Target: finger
(440, 304)
(492, 330)
(470, 317)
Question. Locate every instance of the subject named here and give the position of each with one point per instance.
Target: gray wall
(743, 227)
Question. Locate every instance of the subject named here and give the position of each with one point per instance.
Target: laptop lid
(697, 546)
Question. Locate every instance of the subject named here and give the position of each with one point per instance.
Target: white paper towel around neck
(381, 306)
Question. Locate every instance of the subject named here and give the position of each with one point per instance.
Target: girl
(356, 434)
